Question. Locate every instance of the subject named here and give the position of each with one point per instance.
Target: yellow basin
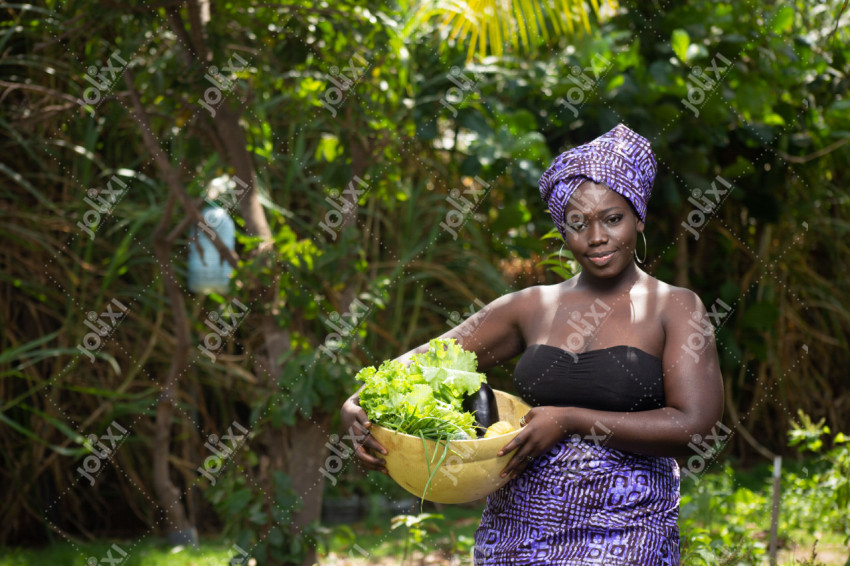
(470, 470)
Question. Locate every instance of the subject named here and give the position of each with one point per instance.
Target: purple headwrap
(620, 159)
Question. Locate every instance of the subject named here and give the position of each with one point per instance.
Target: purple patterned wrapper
(621, 159)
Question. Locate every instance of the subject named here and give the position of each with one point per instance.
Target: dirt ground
(830, 555)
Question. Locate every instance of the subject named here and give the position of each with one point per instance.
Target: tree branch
(176, 23)
(819, 153)
(167, 493)
(837, 21)
(168, 172)
(199, 15)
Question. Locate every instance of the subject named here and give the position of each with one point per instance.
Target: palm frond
(492, 26)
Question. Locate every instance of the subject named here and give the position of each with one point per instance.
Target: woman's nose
(596, 234)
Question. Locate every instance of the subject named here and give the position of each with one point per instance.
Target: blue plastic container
(212, 273)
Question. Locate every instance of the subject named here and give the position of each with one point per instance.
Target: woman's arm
(693, 388)
(493, 333)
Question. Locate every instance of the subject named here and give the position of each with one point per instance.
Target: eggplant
(482, 404)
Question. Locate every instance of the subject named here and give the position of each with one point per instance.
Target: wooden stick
(774, 519)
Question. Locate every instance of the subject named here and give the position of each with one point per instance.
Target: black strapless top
(619, 378)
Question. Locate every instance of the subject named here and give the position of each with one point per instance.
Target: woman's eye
(614, 219)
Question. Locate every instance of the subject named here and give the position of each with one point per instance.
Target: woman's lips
(601, 259)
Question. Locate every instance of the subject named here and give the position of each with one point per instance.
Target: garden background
(380, 162)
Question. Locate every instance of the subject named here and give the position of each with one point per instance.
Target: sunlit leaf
(783, 20)
(328, 148)
(680, 42)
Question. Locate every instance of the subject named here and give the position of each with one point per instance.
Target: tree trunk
(179, 529)
(303, 446)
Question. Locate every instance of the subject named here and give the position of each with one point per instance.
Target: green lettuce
(424, 399)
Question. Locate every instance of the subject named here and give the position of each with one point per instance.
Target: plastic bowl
(470, 470)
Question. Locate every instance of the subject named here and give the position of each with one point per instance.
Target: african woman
(608, 363)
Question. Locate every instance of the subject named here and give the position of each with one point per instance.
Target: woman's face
(601, 229)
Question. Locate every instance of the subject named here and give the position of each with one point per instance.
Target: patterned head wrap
(620, 159)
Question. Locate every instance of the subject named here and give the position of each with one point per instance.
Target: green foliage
(725, 517)
(562, 263)
(259, 518)
(822, 494)
(417, 528)
(718, 519)
(806, 435)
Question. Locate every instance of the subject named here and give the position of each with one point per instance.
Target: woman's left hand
(544, 427)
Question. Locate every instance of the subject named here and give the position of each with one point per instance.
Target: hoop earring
(561, 259)
(645, 249)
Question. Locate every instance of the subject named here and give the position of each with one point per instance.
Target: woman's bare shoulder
(673, 300)
(539, 294)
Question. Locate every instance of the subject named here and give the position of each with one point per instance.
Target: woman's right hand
(356, 424)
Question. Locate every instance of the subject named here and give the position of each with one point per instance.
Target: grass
(147, 552)
(438, 538)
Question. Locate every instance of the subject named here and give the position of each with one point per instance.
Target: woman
(609, 365)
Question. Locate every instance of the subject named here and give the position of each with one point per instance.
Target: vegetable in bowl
(441, 401)
(424, 398)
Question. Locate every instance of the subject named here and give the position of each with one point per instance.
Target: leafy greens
(424, 398)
